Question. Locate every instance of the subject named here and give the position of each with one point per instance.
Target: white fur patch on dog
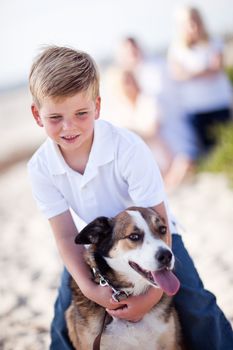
(142, 253)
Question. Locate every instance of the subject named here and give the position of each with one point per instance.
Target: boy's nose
(67, 124)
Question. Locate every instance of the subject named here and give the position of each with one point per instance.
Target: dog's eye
(162, 229)
(135, 237)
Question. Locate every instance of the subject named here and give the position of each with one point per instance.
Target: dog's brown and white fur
(125, 249)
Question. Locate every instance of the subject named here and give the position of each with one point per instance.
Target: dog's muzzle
(163, 277)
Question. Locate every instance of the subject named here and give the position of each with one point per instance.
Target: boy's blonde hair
(61, 72)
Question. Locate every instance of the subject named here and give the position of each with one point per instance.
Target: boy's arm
(65, 232)
(181, 74)
(136, 307)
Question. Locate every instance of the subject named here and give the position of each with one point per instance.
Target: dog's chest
(151, 333)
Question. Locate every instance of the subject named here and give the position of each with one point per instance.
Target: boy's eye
(55, 117)
(81, 114)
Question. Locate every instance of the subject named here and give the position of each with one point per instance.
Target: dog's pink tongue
(167, 281)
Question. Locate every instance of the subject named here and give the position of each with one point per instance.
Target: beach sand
(29, 261)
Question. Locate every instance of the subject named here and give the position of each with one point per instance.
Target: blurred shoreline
(19, 134)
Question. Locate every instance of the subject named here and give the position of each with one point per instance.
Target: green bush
(229, 72)
(221, 158)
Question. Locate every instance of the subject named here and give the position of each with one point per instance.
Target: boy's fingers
(122, 302)
(117, 312)
(121, 313)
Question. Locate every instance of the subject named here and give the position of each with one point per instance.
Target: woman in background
(201, 93)
(196, 64)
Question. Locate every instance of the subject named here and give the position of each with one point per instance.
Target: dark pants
(203, 323)
(204, 125)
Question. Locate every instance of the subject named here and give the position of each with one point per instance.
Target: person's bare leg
(179, 170)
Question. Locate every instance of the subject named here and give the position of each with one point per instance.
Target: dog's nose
(164, 257)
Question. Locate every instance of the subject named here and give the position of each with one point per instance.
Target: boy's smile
(69, 121)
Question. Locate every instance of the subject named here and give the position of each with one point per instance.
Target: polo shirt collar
(102, 152)
(55, 160)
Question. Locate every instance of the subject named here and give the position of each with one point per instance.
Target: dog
(129, 253)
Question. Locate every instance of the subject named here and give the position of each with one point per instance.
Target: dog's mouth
(164, 278)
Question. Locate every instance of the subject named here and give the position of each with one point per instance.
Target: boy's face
(69, 121)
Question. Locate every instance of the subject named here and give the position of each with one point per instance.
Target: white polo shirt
(121, 172)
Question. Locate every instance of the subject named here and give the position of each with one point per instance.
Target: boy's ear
(36, 115)
(97, 107)
(95, 232)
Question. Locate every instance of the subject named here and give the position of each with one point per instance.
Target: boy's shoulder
(42, 155)
(117, 143)
(119, 136)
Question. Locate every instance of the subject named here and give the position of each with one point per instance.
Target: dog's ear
(95, 232)
(159, 222)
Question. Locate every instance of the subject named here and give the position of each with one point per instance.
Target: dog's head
(134, 244)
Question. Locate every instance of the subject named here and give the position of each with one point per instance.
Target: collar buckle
(117, 295)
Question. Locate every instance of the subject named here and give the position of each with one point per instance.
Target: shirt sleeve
(141, 172)
(48, 198)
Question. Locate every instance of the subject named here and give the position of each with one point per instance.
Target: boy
(89, 168)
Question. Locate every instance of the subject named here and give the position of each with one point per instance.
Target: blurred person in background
(196, 65)
(198, 96)
(176, 142)
(131, 71)
(140, 95)
(129, 107)
(133, 86)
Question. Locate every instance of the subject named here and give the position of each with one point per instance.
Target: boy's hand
(131, 309)
(135, 307)
(102, 296)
